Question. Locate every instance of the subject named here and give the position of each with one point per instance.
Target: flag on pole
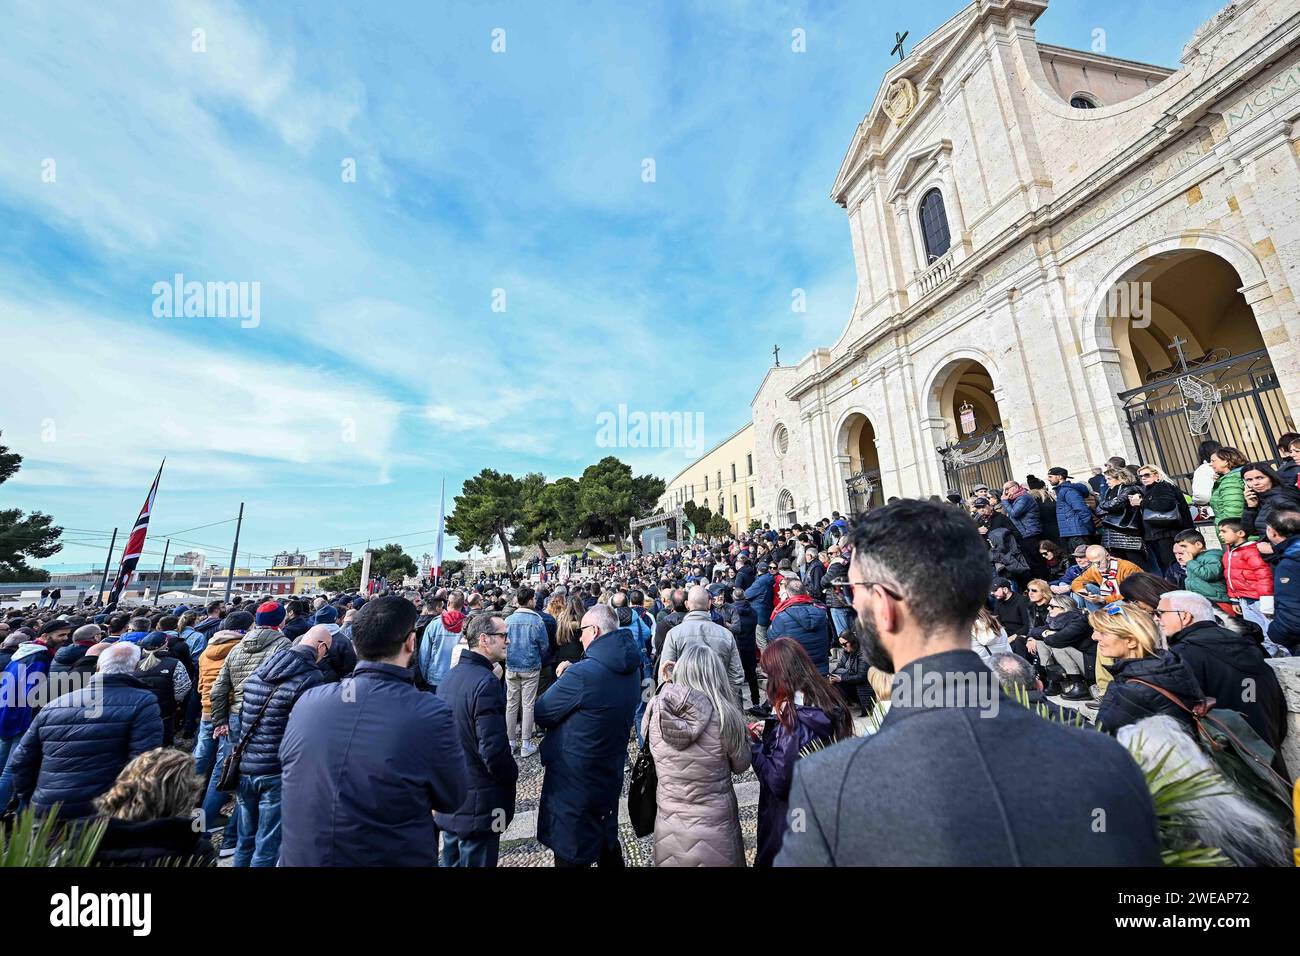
(437, 557)
(135, 544)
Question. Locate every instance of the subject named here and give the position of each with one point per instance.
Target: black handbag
(228, 779)
(1161, 519)
(642, 802)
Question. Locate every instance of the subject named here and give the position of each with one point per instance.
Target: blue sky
(378, 365)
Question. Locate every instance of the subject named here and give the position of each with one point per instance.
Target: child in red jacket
(1248, 576)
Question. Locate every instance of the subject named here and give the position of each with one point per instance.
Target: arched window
(1082, 101)
(781, 441)
(785, 507)
(934, 226)
(706, 504)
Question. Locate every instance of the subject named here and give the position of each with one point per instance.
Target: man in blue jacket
(759, 595)
(79, 743)
(269, 696)
(1283, 530)
(471, 835)
(1073, 516)
(21, 682)
(587, 714)
(366, 761)
(804, 620)
(528, 650)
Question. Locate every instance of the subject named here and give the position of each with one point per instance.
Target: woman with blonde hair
(150, 813)
(1165, 513)
(698, 739)
(568, 647)
(1140, 669)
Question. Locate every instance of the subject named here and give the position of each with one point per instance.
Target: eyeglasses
(875, 584)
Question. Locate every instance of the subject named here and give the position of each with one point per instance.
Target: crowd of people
(390, 729)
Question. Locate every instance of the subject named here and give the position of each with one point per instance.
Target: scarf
(791, 601)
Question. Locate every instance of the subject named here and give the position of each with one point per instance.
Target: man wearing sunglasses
(948, 780)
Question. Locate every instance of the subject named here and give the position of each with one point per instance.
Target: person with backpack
(167, 677)
(1229, 666)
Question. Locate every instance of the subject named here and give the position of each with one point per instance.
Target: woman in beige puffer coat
(697, 737)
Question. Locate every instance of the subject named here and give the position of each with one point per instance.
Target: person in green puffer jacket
(1204, 568)
(1228, 499)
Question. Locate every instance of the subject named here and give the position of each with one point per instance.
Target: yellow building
(722, 480)
(307, 577)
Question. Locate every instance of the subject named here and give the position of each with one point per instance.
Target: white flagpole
(437, 557)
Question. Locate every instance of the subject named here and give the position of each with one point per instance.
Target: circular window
(781, 441)
(1082, 101)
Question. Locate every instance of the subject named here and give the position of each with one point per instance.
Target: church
(1061, 256)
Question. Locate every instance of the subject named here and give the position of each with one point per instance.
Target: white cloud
(106, 405)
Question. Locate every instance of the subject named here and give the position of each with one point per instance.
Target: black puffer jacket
(169, 841)
(66, 657)
(79, 743)
(1233, 669)
(1255, 519)
(1127, 702)
(282, 678)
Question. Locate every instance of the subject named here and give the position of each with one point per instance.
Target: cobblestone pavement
(636, 852)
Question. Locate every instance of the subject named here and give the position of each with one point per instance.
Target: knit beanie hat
(327, 615)
(269, 614)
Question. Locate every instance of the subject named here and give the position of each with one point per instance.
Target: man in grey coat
(958, 774)
(698, 627)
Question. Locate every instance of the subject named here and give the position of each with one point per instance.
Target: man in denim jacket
(525, 655)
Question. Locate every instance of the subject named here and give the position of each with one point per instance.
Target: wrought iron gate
(1235, 400)
(978, 460)
(865, 493)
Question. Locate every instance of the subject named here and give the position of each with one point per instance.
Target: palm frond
(45, 841)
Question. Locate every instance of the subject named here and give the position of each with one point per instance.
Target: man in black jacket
(957, 774)
(744, 573)
(1012, 612)
(1229, 666)
(269, 696)
(670, 620)
(471, 835)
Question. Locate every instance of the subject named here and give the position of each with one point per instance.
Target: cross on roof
(776, 354)
(898, 47)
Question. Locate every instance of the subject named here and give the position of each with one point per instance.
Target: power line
(173, 534)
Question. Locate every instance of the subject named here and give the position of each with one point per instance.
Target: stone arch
(858, 457)
(944, 388)
(786, 513)
(1194, 298)
(1096, 331)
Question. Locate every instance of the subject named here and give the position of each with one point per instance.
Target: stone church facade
(1061, 256)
